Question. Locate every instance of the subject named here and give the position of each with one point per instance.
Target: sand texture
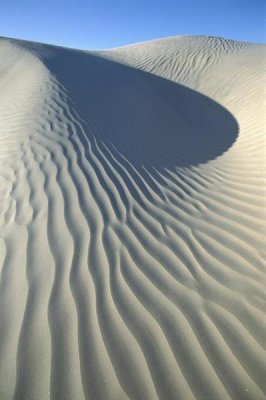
(132, 221)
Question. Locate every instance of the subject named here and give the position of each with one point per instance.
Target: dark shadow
(151, 121)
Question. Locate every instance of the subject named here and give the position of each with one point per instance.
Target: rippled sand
(132, 221)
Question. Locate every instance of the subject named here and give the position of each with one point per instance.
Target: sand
(132, 221)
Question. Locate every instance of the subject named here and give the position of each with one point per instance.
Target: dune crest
(132, 212)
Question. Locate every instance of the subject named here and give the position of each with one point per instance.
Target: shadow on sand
(149, 120)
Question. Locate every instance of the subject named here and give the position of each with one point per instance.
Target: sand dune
(132, 221)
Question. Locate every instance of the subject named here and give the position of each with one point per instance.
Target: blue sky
(99, 24)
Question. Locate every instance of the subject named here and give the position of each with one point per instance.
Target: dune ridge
(132, 215)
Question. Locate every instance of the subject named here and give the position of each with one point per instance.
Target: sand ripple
(132, 261)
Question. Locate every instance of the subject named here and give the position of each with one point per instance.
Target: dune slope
(132, 221)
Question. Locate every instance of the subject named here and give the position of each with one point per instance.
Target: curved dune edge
(132, 206)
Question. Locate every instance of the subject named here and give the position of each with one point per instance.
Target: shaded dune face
(132, 254)
(150, 121)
